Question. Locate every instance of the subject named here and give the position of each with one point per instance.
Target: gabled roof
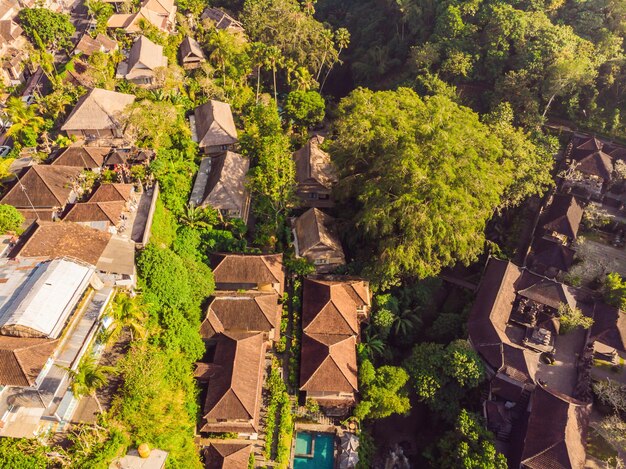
(42, 186)
(328, 363)
(330, 307)
(145, 55)
(314, 164)
(556, 434)
(227, 455)
(226, 183)
(189, 48)
(313, 229)
(564, 215)
(248, 268)
(598, 164)
(609, 326)
(64, 239)
(97, 110)
(96, 211)
(130, 21)
(112, 193)
(88, 45)
(215, 124)
(231, 311)
(82, 157)
(22, 359)
(234, 390)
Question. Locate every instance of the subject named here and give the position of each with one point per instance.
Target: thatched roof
(98, 110)
(225, 185)
(214, 124)
(314, 164)
(315, 229)
(144, 55)
(190, 49)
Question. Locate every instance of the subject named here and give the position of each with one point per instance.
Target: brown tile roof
(330, 307)
(64, 239)
(598, 164)
(22, 359)
(96, 211)
(250, 312)
(215, 124)
(314, 164)
(248, 269)
(313, 229)
(551, 253)
(10, 30)
(98, 110)
(609, 326)
(88, 45)
(227, 455)
(564, 215)
(591, 143)
(82, 157)
(234, 390)
(550, 293)
(328, 363)
(46, 187)
(557, 432)
(112, 193)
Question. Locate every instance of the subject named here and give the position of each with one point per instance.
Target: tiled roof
(42, 186)
(82, 157)
(227, 455)
(234, 389)
(251, 312)
(328, 363)
(248, 268)
(112, 193)
(557, 432)
(22, 359)
(96, 211)
(564, 215)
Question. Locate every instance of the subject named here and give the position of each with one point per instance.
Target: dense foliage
(22, 454)
(382, 391)
(420, 178)
(45, 28)
(10, 219)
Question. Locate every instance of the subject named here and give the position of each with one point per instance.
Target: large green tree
(420, 178)
(10, 219)
(468, 446)
(382, 390)
(45, 28)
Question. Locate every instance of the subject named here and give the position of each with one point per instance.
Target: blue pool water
(320, 445)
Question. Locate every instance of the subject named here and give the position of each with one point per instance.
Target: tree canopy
(10, 219)
(45, 28)
(382, 391)
(421, 177)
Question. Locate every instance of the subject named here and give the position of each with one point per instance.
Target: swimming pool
(314, 450)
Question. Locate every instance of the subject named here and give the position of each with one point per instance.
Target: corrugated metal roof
(40, 304)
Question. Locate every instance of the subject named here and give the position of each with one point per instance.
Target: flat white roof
(41, 296)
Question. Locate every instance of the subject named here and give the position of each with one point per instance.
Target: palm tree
(258, 50)
(327, 37)
(197, 217)
(128, 312)
(373, 346)
(273, 58)
(303, 79)
(88, 378)
(405, 321)
(342, 39)
(24, 119)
